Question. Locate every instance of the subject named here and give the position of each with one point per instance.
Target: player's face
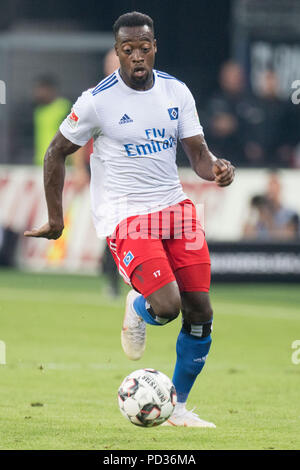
(136, 48)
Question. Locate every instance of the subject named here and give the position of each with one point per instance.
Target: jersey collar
(123, 84)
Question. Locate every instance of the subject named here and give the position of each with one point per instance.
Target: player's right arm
(74, 132)
(54, 176)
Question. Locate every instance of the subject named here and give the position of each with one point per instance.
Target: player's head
(136, 48)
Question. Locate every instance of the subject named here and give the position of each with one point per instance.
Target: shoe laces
(136, 327)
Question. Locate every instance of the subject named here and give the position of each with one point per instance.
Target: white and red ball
(147, 397)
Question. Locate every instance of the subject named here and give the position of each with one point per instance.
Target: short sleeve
(82, 122)
(188, 122)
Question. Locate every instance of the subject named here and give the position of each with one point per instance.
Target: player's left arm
(54, 175)
(205, 164)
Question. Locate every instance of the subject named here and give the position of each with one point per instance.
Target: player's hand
(223, 171)
(46, 231)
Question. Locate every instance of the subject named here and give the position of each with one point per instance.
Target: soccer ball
(147, 397)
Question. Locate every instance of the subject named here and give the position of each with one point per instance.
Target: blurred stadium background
(241, 60)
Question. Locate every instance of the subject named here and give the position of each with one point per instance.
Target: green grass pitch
(64, 364)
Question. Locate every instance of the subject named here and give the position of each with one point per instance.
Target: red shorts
(154, 249)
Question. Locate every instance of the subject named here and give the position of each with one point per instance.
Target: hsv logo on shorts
(128, 258)
(173, 113)
(73, 119)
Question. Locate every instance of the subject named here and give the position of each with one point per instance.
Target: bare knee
(197, 307)
(166, 302)
(169, 308)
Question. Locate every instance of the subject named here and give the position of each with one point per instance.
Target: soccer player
(135, 116)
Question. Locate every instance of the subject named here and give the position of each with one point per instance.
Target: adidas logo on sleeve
(125, 119)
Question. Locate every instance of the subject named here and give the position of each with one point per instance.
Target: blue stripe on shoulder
(164, 73)
(104, 87)
(105, 81)
(167, 76)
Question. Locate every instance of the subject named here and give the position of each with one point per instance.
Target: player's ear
(116, 49)
(155, 45)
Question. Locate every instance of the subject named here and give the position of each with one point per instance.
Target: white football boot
(133, 334)
(182, 417)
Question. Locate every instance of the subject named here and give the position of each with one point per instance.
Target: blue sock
(140, 307)
(191, 355)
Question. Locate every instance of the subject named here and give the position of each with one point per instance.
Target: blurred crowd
(252, 130)
(256, 131)
(269, 218)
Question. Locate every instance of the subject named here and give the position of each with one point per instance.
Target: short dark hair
(134, 18)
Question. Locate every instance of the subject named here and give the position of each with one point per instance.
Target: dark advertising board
(254, 262)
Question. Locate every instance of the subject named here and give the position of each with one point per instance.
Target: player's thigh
(155, 280)
(187, 246)
(189, 258)
(143, 263)
(130, 252)
(194, 283)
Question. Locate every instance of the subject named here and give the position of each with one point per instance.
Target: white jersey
(133, 165)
